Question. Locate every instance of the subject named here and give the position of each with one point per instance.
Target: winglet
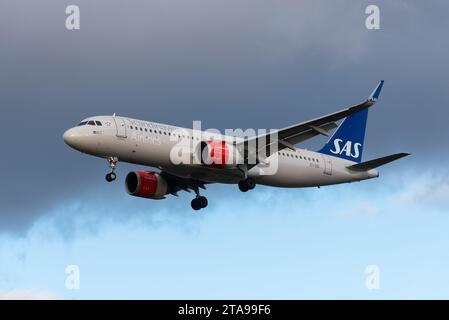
(376, 93)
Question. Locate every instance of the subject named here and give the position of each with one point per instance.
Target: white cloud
(27, 294)
(428, 191)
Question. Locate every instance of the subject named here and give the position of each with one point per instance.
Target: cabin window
(91, 123)
(98, 123)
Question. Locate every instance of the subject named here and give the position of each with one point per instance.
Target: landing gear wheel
(247, 184)
(195, 204)
(242, 186)
(202, 201)
(250, 183)
(111, 177)
(199, 202)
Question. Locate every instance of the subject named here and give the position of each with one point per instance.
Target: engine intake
(146, 184)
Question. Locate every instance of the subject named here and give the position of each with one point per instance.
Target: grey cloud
(228, 63)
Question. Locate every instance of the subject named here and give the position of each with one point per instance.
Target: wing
(177, 183)
(287, 137)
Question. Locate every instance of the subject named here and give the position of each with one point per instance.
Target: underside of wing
(177, 183)
(190, 177)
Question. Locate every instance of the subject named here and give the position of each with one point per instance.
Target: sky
(230, 64)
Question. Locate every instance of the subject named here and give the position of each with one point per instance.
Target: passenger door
(327, 165)
(121, 127)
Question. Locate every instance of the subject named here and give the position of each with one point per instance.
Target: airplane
(189, 159)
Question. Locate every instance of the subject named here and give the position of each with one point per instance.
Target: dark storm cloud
(229, 63)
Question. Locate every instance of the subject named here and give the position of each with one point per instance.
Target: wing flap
(303, 136)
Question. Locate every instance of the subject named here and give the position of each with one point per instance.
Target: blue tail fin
(347, 142)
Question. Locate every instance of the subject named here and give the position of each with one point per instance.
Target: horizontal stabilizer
(368, 165)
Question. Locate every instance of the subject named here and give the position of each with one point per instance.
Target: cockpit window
(91, 123)
(98, 123)
(82, 123)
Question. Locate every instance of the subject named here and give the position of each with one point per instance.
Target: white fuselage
(150, 144)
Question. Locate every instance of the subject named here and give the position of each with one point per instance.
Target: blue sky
(232, 65)
(313, 243)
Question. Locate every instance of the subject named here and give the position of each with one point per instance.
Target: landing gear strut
(199, 202)
(111, 176)
(247, 184)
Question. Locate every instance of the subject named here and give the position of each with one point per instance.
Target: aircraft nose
(70, 137)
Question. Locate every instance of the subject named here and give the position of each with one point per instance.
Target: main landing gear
(111, 176)
(199, 202)
(247, 184)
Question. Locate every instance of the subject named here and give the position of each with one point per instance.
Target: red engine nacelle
(219, 154)
(146, 184)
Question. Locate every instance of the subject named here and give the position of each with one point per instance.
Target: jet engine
(146, 184)
(219, 154)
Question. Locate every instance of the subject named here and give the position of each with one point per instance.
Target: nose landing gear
(111, 176)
